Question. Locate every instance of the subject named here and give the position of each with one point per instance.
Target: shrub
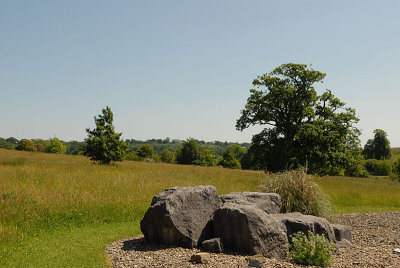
(378, 167)
(26, 145)
(298, 193)
(167, 156)
(311, 249)
(145, 151)
(396, 168)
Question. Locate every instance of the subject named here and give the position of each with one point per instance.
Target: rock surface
(268, 202)
(297, 222)
(375, 235)
(201, 257)
(250, 230)
(213, 245)
(181, 216)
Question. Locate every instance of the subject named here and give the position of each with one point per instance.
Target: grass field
(61, 211)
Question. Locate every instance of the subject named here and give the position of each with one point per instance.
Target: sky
(183, 69)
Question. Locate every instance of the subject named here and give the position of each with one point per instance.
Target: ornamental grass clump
(298, 193)
(311, 249)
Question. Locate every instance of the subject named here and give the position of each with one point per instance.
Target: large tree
(103, 144)
(302, 128)
(379, 147)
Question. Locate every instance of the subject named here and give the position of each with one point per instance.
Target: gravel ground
(375, 235)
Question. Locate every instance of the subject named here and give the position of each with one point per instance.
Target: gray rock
(342, 232)
(268, 202)
(256, 262)
(181, 216)
(297, 222)
(250, 230)
(213, 245)
(201, 257)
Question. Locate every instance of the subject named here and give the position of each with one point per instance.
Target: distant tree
(55, 146)
(103, 145)
(230, 161)
(145, 151)
(12, 140)
(206, 157)
(188, 153)
(7, 145)
(26, 145)
(167, 156)
(379, 147)
(73, 147)
(302, 128)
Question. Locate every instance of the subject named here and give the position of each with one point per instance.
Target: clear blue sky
(184, 68)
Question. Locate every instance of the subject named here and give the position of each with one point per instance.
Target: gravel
(375, 236)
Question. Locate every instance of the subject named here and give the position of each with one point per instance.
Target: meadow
(58, 210)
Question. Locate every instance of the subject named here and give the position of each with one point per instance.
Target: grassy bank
(61, 211)
(42, 195)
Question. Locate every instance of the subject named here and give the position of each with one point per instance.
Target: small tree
(26, 145)
(145, 151)
(188, 153)
(103, 145)
(55, 146)
(167, 156)
(379, 147)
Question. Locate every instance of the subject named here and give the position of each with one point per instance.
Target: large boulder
(297, 222)
(181, 216)
(250, 230)
(268, 202)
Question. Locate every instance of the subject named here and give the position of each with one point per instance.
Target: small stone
(396, 250)
(255, 262)
(201, 257)
(213, 245)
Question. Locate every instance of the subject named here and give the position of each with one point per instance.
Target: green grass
(52, 193)
(62, 211)
(361, 195)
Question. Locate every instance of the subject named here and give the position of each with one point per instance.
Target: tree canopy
(302, 128)
(103, 144)
(379, 147)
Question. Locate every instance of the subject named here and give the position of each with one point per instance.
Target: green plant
(300, 127)
(55, 146)
(378, 167)
(298, 193)
(103, 144)
(311, 249)
(26, 145)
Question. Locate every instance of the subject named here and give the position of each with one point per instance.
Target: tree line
(302, 130)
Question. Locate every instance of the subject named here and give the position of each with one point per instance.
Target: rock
(250, 230)
(256, 261)
(268, 202)
(342, 232)
(201, 257)
(296, 222)
(213, 245)
(181, 216)
(396, 250)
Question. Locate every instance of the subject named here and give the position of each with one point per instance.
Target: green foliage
(26, 145)
(305, 129)
(7, 145)
(311, 249)
(167, 156)
(378, 167)
(103, 145)
(12, 140)
(230, 161)
(145, 151)
(355, 167)
(206, 158)
(132, 155)
(379, 147)
(396, 167)
(188, 153)
(55, 146)
(298, 193)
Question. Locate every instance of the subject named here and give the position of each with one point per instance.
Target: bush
(298, 193)
(378, 167)
(26, 145)
(396, 168)
(311, 249)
